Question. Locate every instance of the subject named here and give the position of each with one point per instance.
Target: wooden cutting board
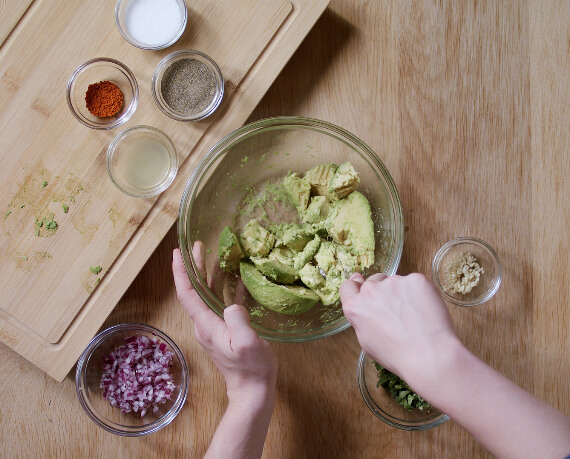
(51, 304)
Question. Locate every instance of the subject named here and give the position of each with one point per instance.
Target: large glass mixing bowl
(222, 191)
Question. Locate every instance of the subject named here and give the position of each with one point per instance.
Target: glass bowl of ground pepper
(102, 93)
(187, 85)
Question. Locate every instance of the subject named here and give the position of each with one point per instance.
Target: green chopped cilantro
(65, 208)
(44, 184)
(51, 224)
(95, 269)
(399, 390)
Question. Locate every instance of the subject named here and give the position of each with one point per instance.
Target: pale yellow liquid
(144, 163)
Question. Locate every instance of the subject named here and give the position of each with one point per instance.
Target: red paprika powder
(104, 99)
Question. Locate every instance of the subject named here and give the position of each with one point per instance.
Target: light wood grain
(466, 103)
(52, 303)
(11, 11)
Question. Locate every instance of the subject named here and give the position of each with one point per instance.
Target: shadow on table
(314, 57)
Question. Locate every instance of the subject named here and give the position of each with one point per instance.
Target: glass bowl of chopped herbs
(392, 400)
(187, 85)
(467, 271)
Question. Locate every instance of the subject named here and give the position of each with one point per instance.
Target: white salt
(153, 22)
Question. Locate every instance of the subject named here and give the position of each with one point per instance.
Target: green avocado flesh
(289, 266)
(285, 299)
(229, 250)
(275, 270)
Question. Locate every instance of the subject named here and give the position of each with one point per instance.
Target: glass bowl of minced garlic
(467, 270)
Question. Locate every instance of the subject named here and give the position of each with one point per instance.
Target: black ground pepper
(188, 86)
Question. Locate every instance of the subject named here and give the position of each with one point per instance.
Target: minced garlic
(462, 274)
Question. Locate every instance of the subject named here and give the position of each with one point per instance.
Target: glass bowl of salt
(148, 24)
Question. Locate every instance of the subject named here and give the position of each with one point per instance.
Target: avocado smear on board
(292, 266)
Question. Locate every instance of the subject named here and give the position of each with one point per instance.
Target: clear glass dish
(161, 68)
(88, 377)
(487, 258)
(250, 157)
(94, 71)
(121, 23)
(127, 172)
(385, 408)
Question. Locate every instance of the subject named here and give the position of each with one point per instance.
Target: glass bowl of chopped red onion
(132, 380)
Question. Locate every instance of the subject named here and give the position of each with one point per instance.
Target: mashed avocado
(292, 266)
(256, 240)
(229, 250)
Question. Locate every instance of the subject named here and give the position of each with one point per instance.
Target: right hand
(400, 321)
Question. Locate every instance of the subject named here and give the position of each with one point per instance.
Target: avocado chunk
(229, 250)
(283, 254)
(325, 256)
(311, 276)
(346, 261)
(329, 294)
(350, 224)
(285, 299)
(275, 270)
(307, 254)
(256, 240)
(299, 190)
(319, 178)
(317, 210)
(343, 182)
(293, 235)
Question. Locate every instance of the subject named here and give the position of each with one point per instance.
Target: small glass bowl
(94, 71)
(121, 22)
(121, 162)
(165, 63)
(88, 377)
(487, 258)
(385, 408)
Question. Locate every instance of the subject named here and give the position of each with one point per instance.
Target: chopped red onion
(136, 375)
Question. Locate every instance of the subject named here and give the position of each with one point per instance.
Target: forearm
(242, 431)
(505, 419)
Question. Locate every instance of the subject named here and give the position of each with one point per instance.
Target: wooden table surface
(467, 105)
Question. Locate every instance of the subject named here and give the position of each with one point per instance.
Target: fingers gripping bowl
(223, 191)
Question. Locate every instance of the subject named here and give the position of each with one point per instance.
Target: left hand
(247, 362)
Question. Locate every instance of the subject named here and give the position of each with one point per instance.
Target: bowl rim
(435, 266)
(125, 133)
(154, 426)
(378, 411)
(272, 123)
(140, 45)
(128, 112)
(159, 73)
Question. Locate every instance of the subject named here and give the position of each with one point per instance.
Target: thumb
(238, 326)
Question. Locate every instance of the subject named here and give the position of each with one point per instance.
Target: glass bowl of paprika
(102, 93)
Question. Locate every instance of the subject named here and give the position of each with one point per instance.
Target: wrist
(433, 381)
(254, 399)
(445, 361)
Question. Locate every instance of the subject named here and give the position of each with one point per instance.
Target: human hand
(401, 322)
(247, 362)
